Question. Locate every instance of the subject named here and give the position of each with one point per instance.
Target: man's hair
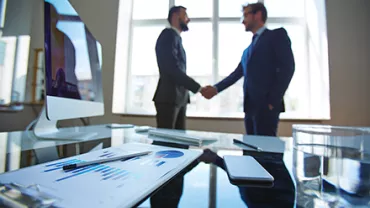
(173, 10)
(256, 7)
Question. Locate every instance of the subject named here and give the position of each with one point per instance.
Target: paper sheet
(114, 184)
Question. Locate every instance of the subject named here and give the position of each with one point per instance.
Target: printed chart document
(113, 184)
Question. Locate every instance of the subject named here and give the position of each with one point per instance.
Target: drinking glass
(331, 166)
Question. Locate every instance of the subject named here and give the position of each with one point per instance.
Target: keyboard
(65, 135)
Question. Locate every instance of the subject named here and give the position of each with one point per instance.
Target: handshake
(208, 91)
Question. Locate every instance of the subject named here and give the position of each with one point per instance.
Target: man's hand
(208, 91)
(208, 156)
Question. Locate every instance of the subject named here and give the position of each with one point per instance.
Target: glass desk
(204, 183)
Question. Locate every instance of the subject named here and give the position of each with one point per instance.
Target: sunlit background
(214, 45)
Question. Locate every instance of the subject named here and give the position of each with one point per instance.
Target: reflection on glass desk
(204, 183)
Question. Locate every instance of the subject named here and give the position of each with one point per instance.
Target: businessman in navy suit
(267, 66)
(172, 94)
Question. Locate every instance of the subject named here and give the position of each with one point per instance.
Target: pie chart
(169, 154)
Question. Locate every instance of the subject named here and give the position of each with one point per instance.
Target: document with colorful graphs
(112, 184)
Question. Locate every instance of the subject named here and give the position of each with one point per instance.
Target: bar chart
(153, 162)
(59, 165)
(108, 154)
(106, 172)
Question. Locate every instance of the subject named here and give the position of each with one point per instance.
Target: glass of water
(331, 166)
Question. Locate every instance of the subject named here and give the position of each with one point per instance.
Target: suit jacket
(267, 73)
(173, 84)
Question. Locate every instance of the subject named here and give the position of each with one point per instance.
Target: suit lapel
(260, 39)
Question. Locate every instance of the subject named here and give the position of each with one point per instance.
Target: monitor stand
(46, 129)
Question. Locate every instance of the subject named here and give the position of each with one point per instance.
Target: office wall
(17, 18)
(349, 61)
(349, 66)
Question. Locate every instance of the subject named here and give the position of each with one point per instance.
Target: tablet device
(172, 134)
(142, 129)
(244, 169)
(117, 126)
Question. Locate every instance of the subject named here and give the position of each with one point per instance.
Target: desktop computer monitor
(73, 74)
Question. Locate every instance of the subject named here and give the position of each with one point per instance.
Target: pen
(82, 164)
(248, 145)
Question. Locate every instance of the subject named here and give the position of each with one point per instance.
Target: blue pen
(248, 145)
(93, 162)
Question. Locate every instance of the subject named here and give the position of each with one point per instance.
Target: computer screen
(73, 64)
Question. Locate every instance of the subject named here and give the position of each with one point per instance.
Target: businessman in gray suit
(172, 94)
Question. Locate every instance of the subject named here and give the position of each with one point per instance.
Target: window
(144, 74)
(284, 8)
(13, 68)
(229, 55)
(7, 54)
(197, 8)
(232, 8)
(38, 89)
(145, 9)
(214, 45)
(3, 155)
(14, 51)
(2, 13)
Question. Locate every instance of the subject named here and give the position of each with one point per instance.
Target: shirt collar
(175, 29)
(261, 30)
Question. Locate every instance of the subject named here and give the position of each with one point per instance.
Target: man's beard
(250, 26)
(183, 26)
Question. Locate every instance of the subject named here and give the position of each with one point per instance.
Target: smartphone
(245, 169)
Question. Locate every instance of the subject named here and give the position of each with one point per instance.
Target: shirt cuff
(200, 88)
(215, 88)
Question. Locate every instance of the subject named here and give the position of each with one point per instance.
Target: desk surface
(201, 184)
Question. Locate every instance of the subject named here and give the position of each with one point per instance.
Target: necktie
(251, 46)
